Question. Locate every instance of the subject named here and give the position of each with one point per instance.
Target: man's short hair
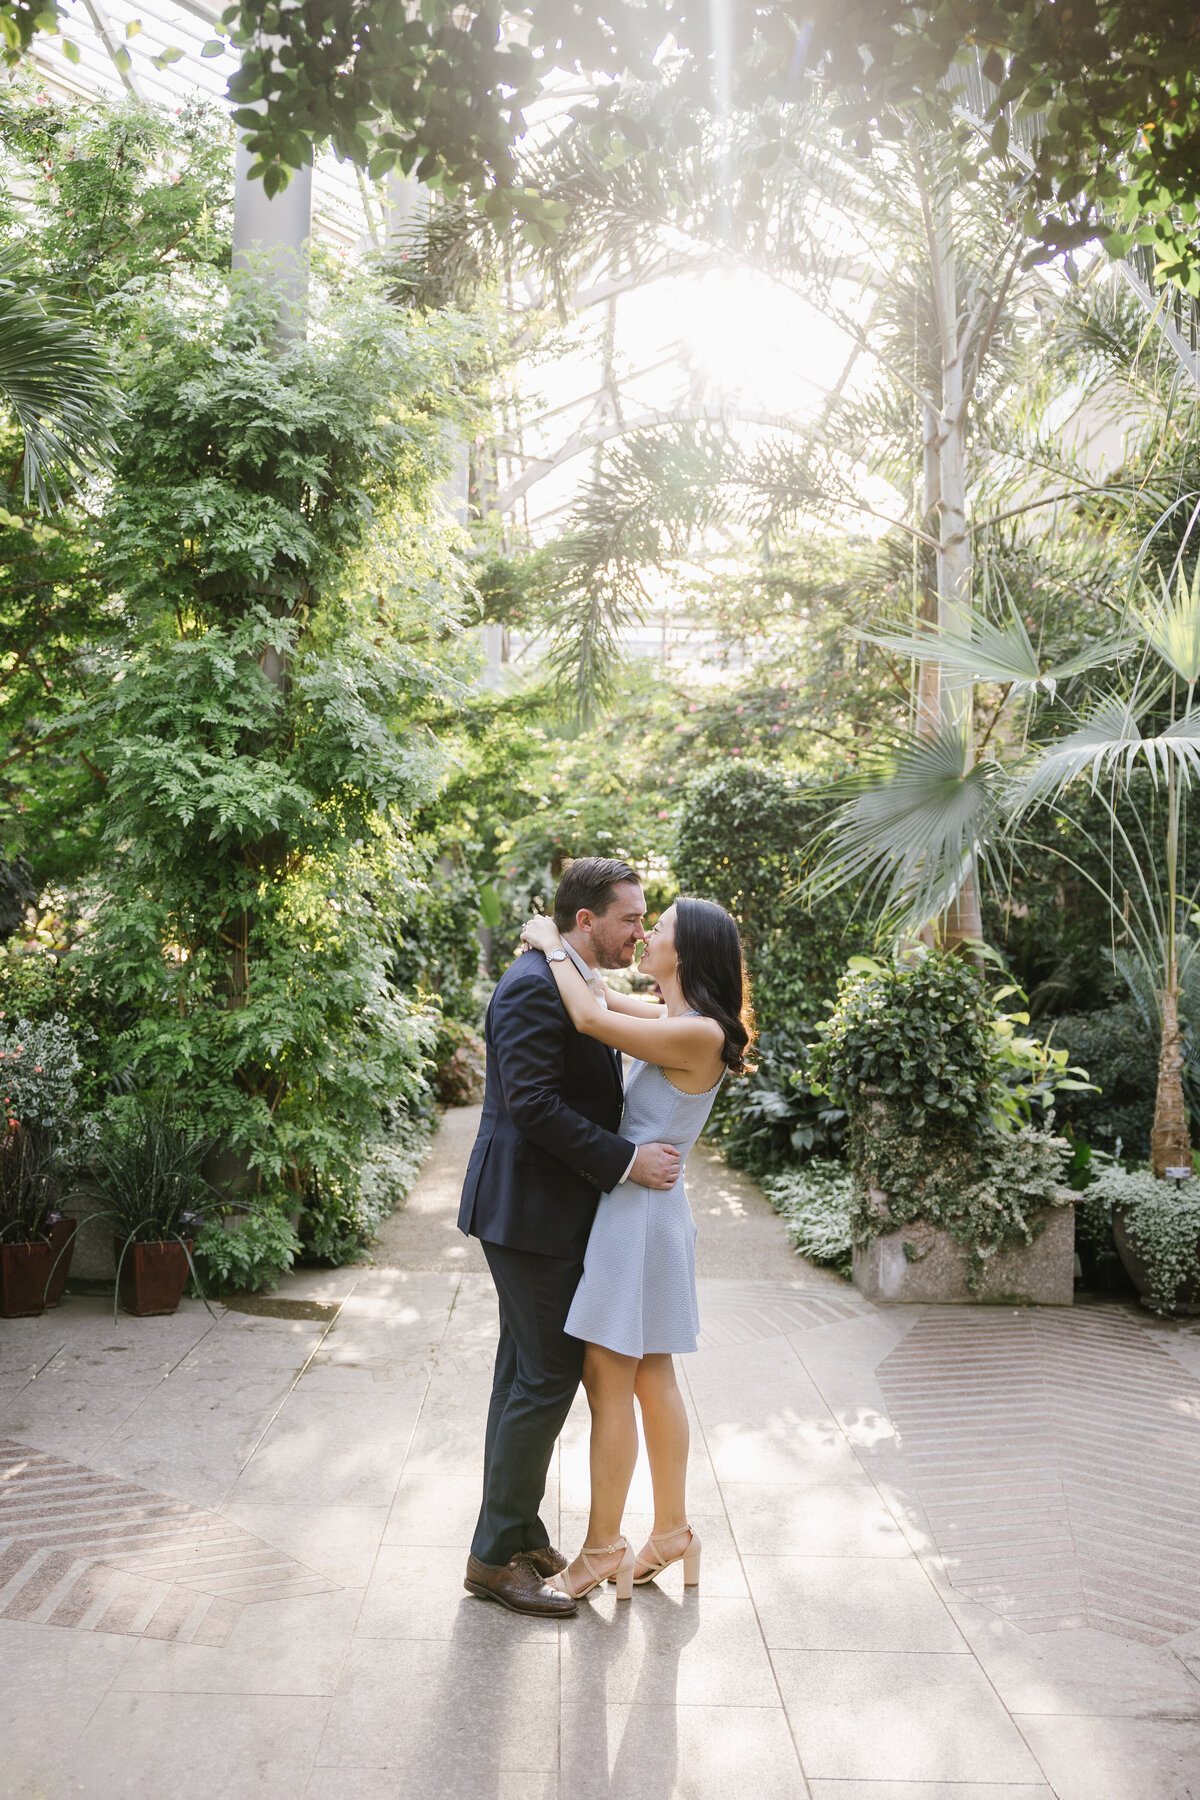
(589, 882)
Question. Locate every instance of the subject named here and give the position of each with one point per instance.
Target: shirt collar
(592, 976)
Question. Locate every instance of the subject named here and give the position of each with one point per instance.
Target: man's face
(616, 933)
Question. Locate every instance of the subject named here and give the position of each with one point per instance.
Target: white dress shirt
(595, 981)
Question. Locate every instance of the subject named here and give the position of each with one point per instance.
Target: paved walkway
(949, 1554)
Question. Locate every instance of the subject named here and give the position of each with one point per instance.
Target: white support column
(270, 237)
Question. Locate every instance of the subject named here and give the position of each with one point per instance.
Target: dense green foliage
(816, 1204)
(271, 535)
(1163, 1224)
(937, 1086)
(223, 682)
(1110, 87)
(772, 1116)
(1119, 1051)
(246, 1255)
(919, 1036)
(743, 836)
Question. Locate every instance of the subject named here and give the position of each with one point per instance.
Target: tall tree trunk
(963, 923)
(1170, 1140)
(929, 675)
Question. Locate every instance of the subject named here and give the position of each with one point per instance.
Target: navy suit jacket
(547, 1146)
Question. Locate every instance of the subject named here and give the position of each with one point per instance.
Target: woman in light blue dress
(635, 1306)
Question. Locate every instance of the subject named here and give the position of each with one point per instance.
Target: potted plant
(1156, 1225)
(956, 1195)
(45, 1132)
(33, 1249)
(148, 1167)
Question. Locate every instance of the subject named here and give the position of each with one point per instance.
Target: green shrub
(1121, 1056)
(816, 1203)
(919, 1035)
(247, 1257)
(771, 1119)
(935, 1082)
(1163, 1224)
(982, 1186)
(338, 1226)
(743, 837)
(436, 947)
(40, 1066)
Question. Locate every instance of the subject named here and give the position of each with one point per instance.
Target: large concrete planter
(934, 1269)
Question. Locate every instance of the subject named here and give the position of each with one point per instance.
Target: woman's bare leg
(665, 1423)
(608, 1381)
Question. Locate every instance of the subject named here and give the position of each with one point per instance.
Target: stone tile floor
(949, 1554)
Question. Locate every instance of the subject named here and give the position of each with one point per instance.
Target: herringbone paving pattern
(84, 1549)
(1057, 1457)
(744, 1312)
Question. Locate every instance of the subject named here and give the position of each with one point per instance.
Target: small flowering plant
(40, 1067)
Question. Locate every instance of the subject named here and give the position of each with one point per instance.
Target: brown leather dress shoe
(518, 1586)
(547, 1562)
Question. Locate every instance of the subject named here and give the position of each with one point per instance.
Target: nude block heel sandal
(622, 1575)
(689, 1557)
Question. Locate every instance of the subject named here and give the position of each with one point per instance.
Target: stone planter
(934, 1272)
(1186, 1304)
(152, 1276)
(24, 1274)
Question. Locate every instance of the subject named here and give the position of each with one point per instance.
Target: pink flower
(37, 1068)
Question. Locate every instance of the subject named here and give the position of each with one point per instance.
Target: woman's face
(659, 960)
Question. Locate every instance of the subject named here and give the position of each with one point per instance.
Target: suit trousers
(536, 1377)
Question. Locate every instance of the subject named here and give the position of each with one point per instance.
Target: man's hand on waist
(655, 1166)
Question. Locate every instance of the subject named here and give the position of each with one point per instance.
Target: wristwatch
(556, 956)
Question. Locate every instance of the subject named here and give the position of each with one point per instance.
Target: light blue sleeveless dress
(638, 1291)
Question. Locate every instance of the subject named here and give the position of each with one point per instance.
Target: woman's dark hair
(712, 974)
(588, 882)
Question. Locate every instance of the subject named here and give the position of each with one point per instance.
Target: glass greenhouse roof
(118, 41)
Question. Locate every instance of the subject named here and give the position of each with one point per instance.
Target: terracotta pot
(62, 1243)
(153, 1276)
(1186, 1303)
(24, 1272)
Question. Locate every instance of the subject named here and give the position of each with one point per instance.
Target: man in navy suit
(549, 1145)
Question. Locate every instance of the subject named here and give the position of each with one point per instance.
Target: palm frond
(1171, 625)
(1109, 742)
(977, 648)
(56, 381)
(915, 827)
(651, 498)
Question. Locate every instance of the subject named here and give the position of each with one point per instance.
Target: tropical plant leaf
(914, 828)
(986, 652)
(56, 381)
(1108, 742)
(1171, 625)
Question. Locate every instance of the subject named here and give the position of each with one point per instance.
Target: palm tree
(56, 383)
(928, 817)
